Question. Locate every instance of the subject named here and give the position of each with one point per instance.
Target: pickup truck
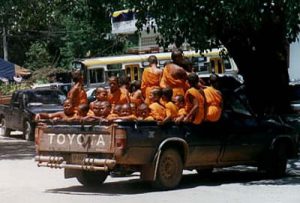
(89, 151)
(19, 114)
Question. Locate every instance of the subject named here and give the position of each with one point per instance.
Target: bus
(97, 70)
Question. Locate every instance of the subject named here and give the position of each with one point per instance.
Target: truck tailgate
(75, 138)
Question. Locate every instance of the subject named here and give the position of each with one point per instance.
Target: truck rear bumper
(90, 164)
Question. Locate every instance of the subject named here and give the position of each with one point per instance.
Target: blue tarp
(7, 69)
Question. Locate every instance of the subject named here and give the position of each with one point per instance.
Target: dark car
(25, 104)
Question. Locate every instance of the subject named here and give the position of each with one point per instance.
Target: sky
(294, 70)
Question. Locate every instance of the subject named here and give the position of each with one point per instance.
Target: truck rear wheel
(91, 178)
(28, 131)
(277, 162)
(5, 131)
(169, 171)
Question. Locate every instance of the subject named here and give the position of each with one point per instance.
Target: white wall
(294, 70)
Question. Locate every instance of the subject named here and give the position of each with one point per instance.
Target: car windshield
(47, 97)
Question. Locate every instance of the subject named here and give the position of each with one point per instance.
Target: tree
(256, 33)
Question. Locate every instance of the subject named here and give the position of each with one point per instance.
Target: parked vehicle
(24, 105)
(64, 87)
(90, 151)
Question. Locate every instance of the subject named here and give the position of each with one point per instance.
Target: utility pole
(4, 37)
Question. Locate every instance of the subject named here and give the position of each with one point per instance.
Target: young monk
(143, 112)
(126, 113)
(77, 94)
(101, 95)
(136, 95)
(194, 101)
(213, 100)
(116, 112)
(150, 78)
(179, 102)
(68, 113)
(83, 110)
(115, 94)
(171, 108)
(101, 111)
(133, 107)
(157, 111)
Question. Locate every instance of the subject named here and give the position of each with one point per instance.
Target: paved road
(22, 181)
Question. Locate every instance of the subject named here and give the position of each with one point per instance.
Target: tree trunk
(262, 61)
(5, 49)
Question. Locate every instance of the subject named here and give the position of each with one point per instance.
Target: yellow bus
(98, 70)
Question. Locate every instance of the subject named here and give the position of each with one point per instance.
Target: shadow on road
(245, 176)
(15, 148)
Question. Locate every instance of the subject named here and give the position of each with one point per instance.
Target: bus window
(136, 73)
(212, 65)
(115, 72)
(200, 64)
(97, 75)
(227, 64)
(133, 71)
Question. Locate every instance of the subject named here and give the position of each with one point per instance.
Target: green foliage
(207, 23)
(37, 56)
(9, 89)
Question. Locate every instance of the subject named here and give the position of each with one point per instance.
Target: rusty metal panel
(62, 140)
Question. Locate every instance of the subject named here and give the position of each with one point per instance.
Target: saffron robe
(213, 104)
(199, 115)
(157, 111)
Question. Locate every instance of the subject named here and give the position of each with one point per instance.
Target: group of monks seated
(172, 94)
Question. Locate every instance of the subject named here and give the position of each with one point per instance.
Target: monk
(77, 94)
(213, 100)
(179, 102)
(174, 76)
(150, 78)
(115, 94)
(136, 95)
(194, 101)
(171, 108)
(68, 114)
(157, 111)
(116, 112)
(126, 113)
(133, 107)
(143, 112)
(101, 95)
(101, 111)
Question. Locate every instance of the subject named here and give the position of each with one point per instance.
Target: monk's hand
(186, 119)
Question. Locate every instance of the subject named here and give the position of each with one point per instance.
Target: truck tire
(5, 131)
(277, 162)
(28, 131)
(169, 170)
(91, 178)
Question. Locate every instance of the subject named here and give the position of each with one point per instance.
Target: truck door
(244, 139)
(205, 143)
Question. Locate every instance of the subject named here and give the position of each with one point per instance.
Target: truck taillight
(120, 140)
(39, 129)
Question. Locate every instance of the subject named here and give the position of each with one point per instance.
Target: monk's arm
(194, 109)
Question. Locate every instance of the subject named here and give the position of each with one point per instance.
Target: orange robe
(171, 110)
(157, 111)
(199, 116)
(181, 112)
(174, 77)
(77, 96)
(213, 103)
(150, 80)
(118, 97)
